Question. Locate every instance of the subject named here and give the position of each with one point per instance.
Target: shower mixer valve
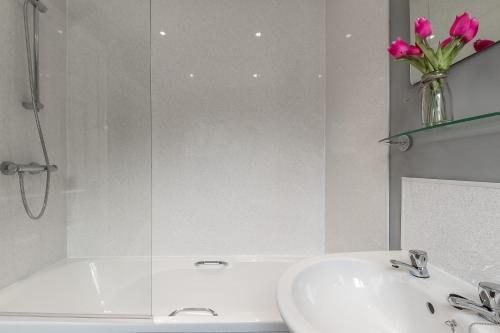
(29, 106)
(11, 168)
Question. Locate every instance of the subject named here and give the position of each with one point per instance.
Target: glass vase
(436, 99)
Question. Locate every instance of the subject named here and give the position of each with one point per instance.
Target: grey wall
(467, 152)
(357, 114)
(238, 127)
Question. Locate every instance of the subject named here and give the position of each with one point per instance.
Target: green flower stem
(416, 62)
(430, 55)
(436, 85)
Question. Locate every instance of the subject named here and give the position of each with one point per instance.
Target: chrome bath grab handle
(211, 262)
(208, 310)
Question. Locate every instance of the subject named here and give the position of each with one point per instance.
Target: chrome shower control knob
(418, 258)
(8, 168)
(489, 294)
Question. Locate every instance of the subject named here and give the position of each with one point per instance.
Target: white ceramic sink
(362, 292)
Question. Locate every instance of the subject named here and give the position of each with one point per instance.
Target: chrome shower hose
(34, 101)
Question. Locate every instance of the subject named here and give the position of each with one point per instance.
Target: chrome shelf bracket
(403, 143)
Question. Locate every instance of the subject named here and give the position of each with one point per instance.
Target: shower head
(38, 4)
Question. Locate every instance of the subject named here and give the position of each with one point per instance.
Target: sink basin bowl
(362, 292)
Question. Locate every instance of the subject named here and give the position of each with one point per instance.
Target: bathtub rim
(235, 322)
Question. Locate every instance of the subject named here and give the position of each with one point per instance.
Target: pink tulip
(423, 27)
(481, 44)
(461, 25)
(399, 48)
(472, 32)
(414, 50)
(446, 41)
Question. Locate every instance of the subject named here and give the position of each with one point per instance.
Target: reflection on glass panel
(108, 142)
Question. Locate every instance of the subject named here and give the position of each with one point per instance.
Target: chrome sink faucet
(489, 308)
(418, 266)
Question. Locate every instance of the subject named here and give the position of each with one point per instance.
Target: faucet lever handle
(489, 294)
(418, 258)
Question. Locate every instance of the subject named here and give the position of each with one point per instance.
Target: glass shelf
(390, 139)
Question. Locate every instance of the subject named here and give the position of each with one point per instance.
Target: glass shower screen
(91, 254)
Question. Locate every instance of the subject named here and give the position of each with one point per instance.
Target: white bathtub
(81, 295)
